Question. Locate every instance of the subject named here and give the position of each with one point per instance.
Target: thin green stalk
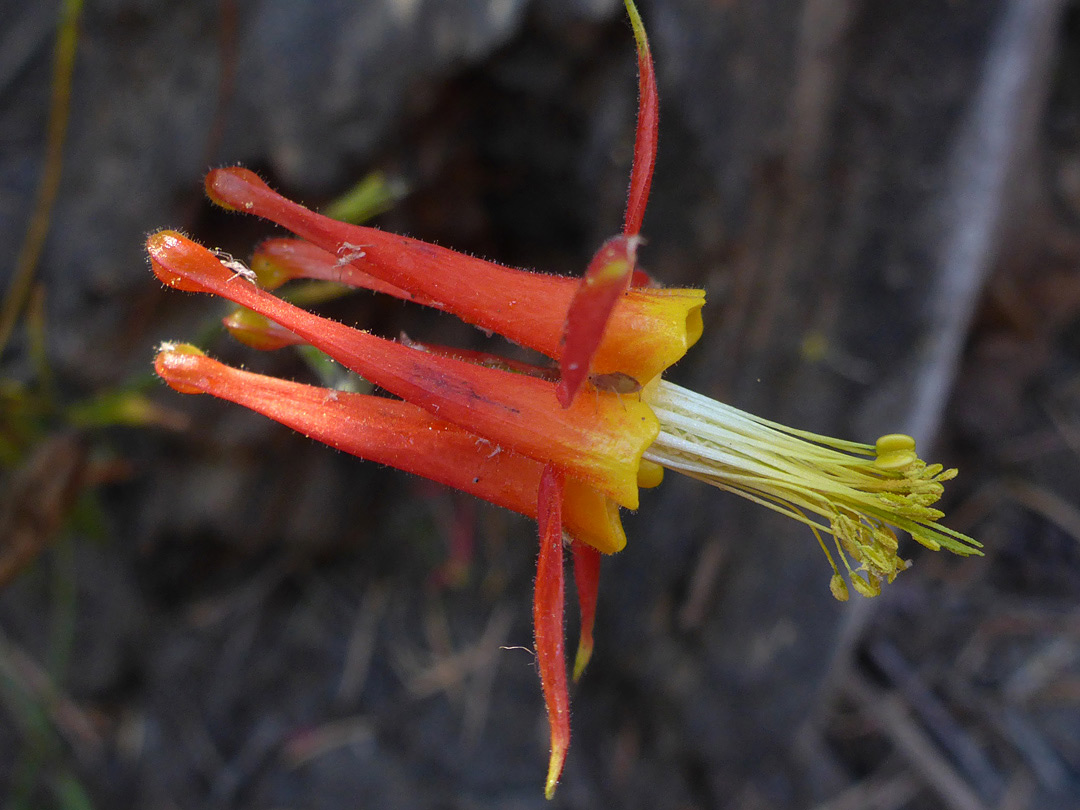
(59, 107)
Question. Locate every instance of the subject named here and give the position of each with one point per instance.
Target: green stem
(59, 107)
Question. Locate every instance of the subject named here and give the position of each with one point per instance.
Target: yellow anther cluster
(861, 494)
(872, 544)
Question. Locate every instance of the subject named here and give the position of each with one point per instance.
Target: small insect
(349, 253)
(480, 442)
(239, 269)
(615, 383)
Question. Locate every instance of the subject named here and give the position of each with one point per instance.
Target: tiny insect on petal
(279, 260)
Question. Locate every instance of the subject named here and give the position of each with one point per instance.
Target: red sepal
(647, 130)
(606, 279)
(587, 579)
(548, 606)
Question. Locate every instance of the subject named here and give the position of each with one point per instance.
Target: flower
(523, 436)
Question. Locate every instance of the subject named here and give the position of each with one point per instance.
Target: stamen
(859, 493)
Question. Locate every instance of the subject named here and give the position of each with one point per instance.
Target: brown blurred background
(882, 200)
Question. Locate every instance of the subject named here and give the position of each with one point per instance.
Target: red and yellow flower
(522, 436)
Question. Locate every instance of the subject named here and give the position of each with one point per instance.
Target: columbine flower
(522, 436)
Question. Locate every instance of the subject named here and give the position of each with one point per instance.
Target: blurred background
(200, 609)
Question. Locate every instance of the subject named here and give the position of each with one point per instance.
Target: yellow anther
(839, 588)
(860, 494)
(895, 459)
(868, 589)
(893, 442)
(887, 539)
(927, 541)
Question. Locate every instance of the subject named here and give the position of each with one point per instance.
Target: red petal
(606, 279)
(396, 433)
(647, 125)
(649, 332)
(599, 443)
(548, 622)
(587, 578)
(517, 304)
